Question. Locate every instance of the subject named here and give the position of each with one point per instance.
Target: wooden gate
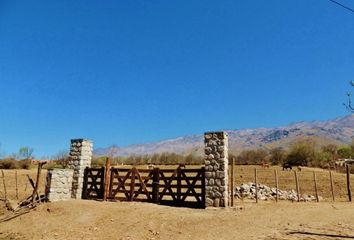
(131, 184)
(93, 186)
(175, 187)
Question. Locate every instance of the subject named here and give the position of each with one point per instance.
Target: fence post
(111, 178)
(16, 185)
(179, 185)
(276, 185)
(35, 190)
(84, 187)
(297, 186)
(348, 183)
(203, 186)
(332, 187)
(315, 180)
(155, 185)
(3, 182)
(106, 179)
(132, 183)
(255, 181)
(103, 184)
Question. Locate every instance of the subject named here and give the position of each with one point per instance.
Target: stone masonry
(80, 158)
(59, 184)
(216, 169)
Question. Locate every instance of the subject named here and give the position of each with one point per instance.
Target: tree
(277, 156)
(323, 159)
(349, 106)
(330, 149)
(345, 151)
(253, 156)
(62, 157)
(25, 153)
(112, 152)
(302, 152)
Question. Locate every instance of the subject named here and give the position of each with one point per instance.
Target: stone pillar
(80, 158)
(216, 169)
(59, 184)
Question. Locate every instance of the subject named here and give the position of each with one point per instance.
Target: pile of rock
(248, 191)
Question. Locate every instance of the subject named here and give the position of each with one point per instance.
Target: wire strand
(343, 6)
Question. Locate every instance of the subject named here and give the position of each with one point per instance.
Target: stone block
(59, 184)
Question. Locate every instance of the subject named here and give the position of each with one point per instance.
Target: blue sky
(124, 72)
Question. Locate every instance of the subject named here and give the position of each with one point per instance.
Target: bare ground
(80, 219)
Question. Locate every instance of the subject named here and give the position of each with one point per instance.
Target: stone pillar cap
(80, 140)
(224, 133)
(215, 132)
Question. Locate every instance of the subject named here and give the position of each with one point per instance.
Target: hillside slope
(337, 131)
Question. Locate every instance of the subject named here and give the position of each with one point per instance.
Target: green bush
(345, 151)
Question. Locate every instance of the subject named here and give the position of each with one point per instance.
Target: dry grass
(126, 220)
(245, 174)
(24, 187)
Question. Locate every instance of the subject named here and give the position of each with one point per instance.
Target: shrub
(345, 151)
(302, 152)
(53, 164)
(253, 156)
(9, 163)
(98, 161)
(24, 164)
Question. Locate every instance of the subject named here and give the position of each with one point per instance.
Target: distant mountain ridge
(337, 131)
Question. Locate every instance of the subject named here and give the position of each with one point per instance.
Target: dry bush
(9, 163)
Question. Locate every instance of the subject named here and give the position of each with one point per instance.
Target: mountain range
(337, 131)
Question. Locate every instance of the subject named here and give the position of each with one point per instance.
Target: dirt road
(80, 219)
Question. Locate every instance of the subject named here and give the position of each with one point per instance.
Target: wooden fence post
(102, 193)
(4, 183)
(107, 179)
(132, 183)
(16, 185)
(276, 185)
(111, 178)
(84, 187)
(348, 183)
(232, 181)
(203, 186)
(315, 180)
(297, 186)
(255, 181)
(179, 185)
(155, 185)
(35, 190)
(332, 187)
